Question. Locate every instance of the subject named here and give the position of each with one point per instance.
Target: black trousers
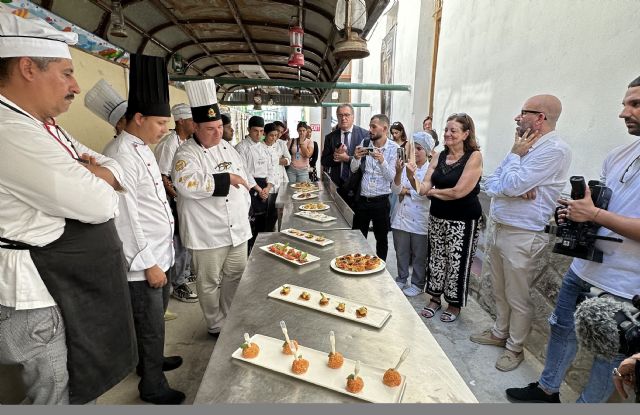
(376, 210)
(148, 306)
(272, 213)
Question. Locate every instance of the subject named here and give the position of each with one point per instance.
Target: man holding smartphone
(378, 171)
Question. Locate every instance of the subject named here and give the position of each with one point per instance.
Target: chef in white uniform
(164, 152)
(145, 224)
(65, 314)
(106, 103)
(213, 205)
(277, 153)
(258, 163)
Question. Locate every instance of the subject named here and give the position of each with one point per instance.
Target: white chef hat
(181, 112)
(424, 139)
(33, 37)
(203, 99)
(105, 102)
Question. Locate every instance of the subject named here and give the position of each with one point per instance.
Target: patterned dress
(453, 234)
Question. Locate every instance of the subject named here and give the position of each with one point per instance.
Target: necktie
(344, 173)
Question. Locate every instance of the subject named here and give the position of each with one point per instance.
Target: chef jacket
(145, 224)
(211, 212)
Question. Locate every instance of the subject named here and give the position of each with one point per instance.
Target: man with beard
(524, 189)
(617, 274)
(377, 159)
(227, 129)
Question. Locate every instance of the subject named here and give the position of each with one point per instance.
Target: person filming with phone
(375, 161)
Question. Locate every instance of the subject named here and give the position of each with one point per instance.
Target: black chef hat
(148, 86)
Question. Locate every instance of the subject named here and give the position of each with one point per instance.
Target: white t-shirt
(619, 272)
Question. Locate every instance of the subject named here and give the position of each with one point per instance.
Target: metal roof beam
(169, 16)
(298, 84)
(243, 30)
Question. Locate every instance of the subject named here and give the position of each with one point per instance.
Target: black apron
(85, 272)
(259, 206)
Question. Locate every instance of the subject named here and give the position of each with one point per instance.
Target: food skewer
(402, 358)
(332, 340)
(286, 333)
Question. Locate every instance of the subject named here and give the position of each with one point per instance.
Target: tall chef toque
(148, 87)
(203, 99)
(105, 102)
(33, 37)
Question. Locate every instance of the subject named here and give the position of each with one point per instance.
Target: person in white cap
(107, 104)
(410, 218)
(145, 224)
(213, 205)
(164, 152)
(65, 313)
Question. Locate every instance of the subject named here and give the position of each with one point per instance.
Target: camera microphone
(597, 325)
(578, 187)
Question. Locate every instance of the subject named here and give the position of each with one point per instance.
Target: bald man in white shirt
(524, 190)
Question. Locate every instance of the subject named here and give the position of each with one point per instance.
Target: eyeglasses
(343, 115)
(633, 174)
(525, 112)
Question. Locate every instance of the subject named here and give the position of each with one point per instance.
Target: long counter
(430, 375)
(327, 193)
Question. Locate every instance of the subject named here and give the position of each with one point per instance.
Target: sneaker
(401, 285)
(191, 278)
(184, 293)
(412, 291)
(509, 361)
(487, 338)
(533, 394)
(168, 315)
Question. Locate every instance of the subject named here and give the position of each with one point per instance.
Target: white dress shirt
(165, 150)
(145, 224)
(377, 177)
(41, 185)
(275, 152)
(544, 168)
(618, 272)
(208, 221)
(412, 213)
(256, 160)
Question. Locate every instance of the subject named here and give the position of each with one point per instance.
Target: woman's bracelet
(596, 215)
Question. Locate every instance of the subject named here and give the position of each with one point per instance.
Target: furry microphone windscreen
(596, 327)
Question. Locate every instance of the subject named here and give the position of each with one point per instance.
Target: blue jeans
(298, 175)
(562, 347)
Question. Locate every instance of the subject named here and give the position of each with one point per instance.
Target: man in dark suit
(339, 147)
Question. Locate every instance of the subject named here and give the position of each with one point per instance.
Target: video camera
(577, 239)
(629, 328)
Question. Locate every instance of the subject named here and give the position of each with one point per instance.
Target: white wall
(495, 54)
(412, 64)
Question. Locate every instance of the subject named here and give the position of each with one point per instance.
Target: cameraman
(617, 274)
(625, 374)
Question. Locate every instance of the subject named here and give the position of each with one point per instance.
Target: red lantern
(295, 41)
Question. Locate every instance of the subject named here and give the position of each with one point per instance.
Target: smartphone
(402, 155)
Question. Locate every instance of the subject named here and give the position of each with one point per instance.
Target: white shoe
(412, 291)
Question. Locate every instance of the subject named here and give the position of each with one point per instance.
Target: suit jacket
(331, 141)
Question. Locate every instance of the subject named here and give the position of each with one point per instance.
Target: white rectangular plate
(375, 317)
(272, 358)
(310, 258)
(315, 216)
(304, 238)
